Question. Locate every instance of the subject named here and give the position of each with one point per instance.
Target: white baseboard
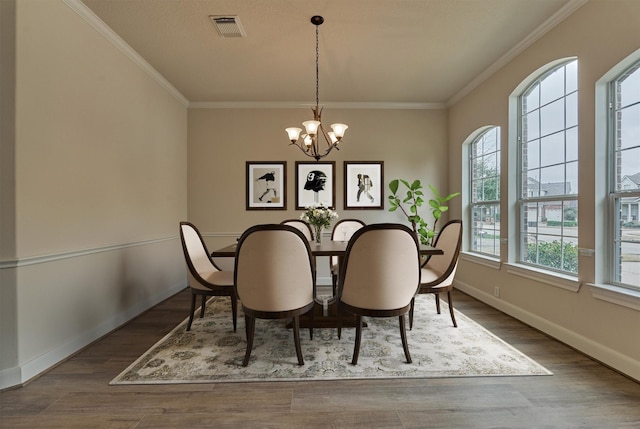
(20, 375)
(597, 351)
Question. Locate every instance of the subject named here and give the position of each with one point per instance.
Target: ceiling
(371, 51)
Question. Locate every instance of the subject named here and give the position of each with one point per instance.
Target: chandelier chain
(317, 70)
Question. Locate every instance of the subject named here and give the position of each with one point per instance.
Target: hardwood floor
(581, 393)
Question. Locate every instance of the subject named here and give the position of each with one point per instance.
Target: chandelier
(309, 141)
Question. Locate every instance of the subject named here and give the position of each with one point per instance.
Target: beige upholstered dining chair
(438, 271)
(205, 278)
(379, 277)
(274, 278)
(300, 225)
(343, 230)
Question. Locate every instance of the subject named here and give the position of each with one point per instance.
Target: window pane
(531, 126)
(531, 184)
(552, 149)
(630, 86)
(552, 118)
(630, 164)
(571, 185)
(572, 110)
(552, 180)
(531, 100)
(552, 87)
(571, 136)
(570, 221)
(533, 154)
(629, 127)
(572, 76)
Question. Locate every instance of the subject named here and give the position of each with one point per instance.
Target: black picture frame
(315, 184)
(266, 185)
(363, 185)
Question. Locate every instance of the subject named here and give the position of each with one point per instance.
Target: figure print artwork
(315, 184)
(363, 185)
(266, 185)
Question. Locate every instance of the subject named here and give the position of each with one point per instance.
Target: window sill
(562, 281)
(476, 258)
(616, 295)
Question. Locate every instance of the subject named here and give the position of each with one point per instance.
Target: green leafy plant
(411, 203)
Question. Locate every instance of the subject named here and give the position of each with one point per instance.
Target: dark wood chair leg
(438, 302)
(203, 303)
(403, 335)
(453, 318)
(338, 319)
(234, 310)
(250, 323)
(413, 301)
(356, 348)
(296, 339)
(311, 316)
(193, 309)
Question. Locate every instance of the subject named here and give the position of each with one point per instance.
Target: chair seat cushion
(428, 275)
(217, 278)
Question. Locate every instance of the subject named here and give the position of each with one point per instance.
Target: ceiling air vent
(228, 25)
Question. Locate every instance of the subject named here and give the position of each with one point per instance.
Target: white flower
(319, 215)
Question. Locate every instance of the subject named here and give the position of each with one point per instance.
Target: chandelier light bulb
(311, 127)
(333, 137)
(294, 133)
(339, 130)
(307, 141)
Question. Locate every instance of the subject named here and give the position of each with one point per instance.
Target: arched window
(547, 200)
(484, 192)
(624, 177)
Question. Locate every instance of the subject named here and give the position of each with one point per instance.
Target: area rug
(211, 352)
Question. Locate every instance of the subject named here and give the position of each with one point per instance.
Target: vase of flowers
(319, 217)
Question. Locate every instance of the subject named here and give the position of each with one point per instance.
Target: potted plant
(412, 201)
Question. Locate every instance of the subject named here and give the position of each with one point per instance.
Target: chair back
(343, 230)
(450, 242)
(301, 226)
(381, 269)
(199, 263)
(274, 269)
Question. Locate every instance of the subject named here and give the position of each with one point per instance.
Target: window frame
(613, 256)
(522, 201)
(471, 194)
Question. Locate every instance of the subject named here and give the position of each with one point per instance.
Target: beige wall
(100, 186)
(600, 34)
(412, 144)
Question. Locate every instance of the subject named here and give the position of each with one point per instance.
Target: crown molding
(104, 30)
(301, 104)
(567, 10)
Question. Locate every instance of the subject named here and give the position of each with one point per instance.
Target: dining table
(325, 310)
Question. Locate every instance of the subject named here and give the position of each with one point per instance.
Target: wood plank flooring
(581, 393)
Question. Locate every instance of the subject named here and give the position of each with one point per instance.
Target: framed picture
(266, 185)
(315, 184)
(363, 185)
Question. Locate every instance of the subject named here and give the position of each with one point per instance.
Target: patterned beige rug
(212, 352)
